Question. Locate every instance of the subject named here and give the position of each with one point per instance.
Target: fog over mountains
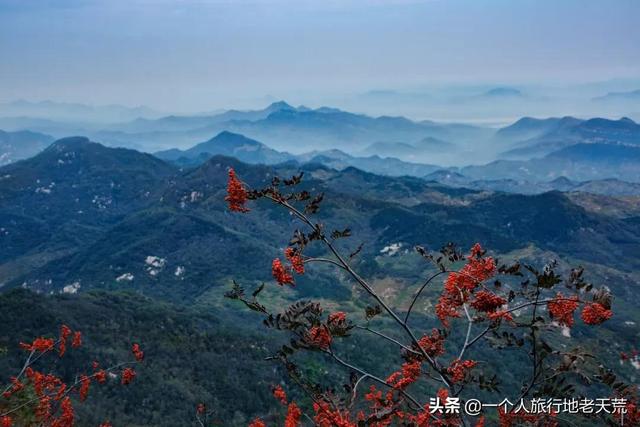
(530, 155)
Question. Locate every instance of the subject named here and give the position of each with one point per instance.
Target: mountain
(580, 162)
(390, 149)
(74, 112)
(448, 177)
(279, 125)
(612, 97)
(20, 145)
(428, 147)
(349, 131)
(228, 144)
(375, 164)
(188, 123)
(503, 92)
(67, 195)
(254, 152)
(599, 154)
(430, 143)
(77, 163)
(253, 115)
(613, 158)
(610, 187)
(622, 131)
(528, 127)
(550, 135)
(283, 127)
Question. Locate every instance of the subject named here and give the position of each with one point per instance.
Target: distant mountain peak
(224, 143)
(227, 144)
(504, 91)
(562, 180)
(225, 134)
(280, 105)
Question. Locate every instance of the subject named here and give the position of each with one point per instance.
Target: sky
(204, 55)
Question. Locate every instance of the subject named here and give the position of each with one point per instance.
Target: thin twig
(388, 338)
(373, 377)
(325, 260)
(27, 363)
(422, 288)
(480, 335)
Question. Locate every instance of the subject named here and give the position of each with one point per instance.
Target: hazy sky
(202, 55)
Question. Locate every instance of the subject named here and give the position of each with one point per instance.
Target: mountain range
(279, 125)
(580, 150)
(582, 161)
(69, 112)
(611, 186)
(536, 138)
(532, 151)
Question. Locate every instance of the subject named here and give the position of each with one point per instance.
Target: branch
(373, 377)
(415, 298)
(364, 284)
(27, 363)
(534, 349)
(480, 335)
(326, 260)
(388, 338)
(469, 325)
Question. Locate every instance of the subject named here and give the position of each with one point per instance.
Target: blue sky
(202, 55)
